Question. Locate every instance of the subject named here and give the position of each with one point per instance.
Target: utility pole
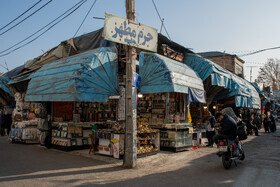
(130, 155)
(251, 70)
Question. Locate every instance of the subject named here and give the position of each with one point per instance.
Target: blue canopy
(4, 79)
(21, 78)
(88, 77)
(245, 94)
(258, 90)
(161, 74)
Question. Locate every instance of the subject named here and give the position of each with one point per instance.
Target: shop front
(25, 114)
(84, 94)
(167, 88)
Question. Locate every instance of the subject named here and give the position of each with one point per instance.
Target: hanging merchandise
(25, 122)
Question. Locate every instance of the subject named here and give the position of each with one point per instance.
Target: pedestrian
(2, 131)
(251, 126)
(258, 121)
(8, 122)
(266, 123)
(272, 126)
(210, 130)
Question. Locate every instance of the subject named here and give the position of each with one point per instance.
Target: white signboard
(121, 30)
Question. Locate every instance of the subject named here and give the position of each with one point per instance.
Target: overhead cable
(41, 28)
(26, 18)
(45, 30)
(85, 18)
(161, 19)
(20, 15)
(258, 51)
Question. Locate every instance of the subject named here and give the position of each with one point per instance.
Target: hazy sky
(233, 26)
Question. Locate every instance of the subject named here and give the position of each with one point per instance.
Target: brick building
(230, 62)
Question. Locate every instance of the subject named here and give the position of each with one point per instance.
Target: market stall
(79, 89)
(25, 123)
(167, 87)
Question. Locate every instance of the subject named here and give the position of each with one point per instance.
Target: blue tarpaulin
(87, 77)
(258, 90)
(245, 94)
(21, 78)
(161, 74)
(6, 96)
(4, 79)
(197, 96)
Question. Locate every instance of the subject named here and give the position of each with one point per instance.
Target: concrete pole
(130, 156)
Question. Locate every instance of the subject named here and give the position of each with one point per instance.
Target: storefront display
(166, 112)
(25, 121)
(147, 138)
(176, 137)
(74, 121)
(71, 134)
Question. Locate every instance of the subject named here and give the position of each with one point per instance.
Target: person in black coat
(2, 124)
(272, 125)
(266, 123)
(252, 126)
(228, 128)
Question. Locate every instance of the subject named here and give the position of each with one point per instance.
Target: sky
(232, 26)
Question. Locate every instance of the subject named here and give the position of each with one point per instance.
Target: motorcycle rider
(228, 128)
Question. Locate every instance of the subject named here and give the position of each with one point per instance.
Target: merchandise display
(165, 112)
(176, 137)
(73, 122)
(70, 134)
(25, 121)
(147, 138)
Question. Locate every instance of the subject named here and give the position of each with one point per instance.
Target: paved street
(34, 165)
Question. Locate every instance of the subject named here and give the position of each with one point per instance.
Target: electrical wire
(20, 15)
(259, 51)
(26, 18)
(85, 18)
(41, 28)
(45, 30)
(161, 19)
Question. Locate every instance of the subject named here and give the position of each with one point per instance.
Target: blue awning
(245, 94)
(21, 78)
(6, 96)
(258, 90)
(87, 77)
(4, 79)
(161, 74)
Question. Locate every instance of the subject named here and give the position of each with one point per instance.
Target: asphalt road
(34, 165)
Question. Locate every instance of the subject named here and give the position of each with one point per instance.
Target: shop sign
(124, 31)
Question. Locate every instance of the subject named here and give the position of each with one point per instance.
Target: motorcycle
(230, 151)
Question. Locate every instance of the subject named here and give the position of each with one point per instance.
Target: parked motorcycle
(230, 151)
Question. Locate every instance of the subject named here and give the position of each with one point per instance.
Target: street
(34, 165)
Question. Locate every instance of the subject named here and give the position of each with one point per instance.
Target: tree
(269, 74)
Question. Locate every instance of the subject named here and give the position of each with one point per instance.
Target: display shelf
(176, 149)
(175, 137)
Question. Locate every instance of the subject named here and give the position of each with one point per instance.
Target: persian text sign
(121, 30)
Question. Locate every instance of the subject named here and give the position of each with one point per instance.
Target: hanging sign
(136, 80)
(124, 31)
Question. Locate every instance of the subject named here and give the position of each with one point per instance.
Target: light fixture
(205, 107)
(214, 107)
(140, 95)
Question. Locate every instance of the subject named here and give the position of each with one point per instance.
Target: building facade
(229, 62)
